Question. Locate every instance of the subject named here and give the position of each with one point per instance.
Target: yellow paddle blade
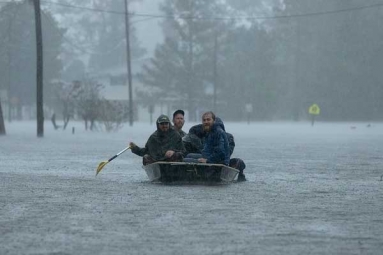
(100, 166)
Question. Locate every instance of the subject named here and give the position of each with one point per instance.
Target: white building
(116, 88)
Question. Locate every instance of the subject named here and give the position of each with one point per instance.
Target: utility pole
(2, 126)
(215, 78)
(39, 70)
(128, 60)
(9, 68)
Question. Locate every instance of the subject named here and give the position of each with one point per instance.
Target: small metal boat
(168, 172)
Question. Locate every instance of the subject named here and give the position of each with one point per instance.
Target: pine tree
(18, 53)
(182, 67)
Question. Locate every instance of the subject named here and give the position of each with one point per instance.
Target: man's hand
(169, 154)
(131, 145)
(202, 160)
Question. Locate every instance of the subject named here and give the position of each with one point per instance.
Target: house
(116, 88)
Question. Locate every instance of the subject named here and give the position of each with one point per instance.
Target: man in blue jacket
(194, 144)
(215, 148)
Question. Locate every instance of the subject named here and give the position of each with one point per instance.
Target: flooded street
(310, 190)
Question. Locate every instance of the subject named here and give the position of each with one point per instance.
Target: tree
(246, 62)
(83, 98)
(247, 73)
(75, 71)
(89, 102)
(110, 40)
(113, 114)
(182, 66)
(331, 59)
(66, 96)
(98, 34)
(2, 126)
(39, 70)
(18, 54)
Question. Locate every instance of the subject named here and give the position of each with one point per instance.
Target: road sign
(314, 109)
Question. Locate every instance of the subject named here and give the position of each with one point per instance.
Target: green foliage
(182, 66)
(83, 98)
(76, 70)
(331, 59)
(113, 114)
(18, 51)
(101, 35)
(65, 99)
(247, 74)
(89, 101)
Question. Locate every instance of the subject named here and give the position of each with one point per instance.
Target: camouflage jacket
(182, 133)
(159, 143)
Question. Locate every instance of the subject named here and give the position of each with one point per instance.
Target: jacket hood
(219, 123)
(197, 130)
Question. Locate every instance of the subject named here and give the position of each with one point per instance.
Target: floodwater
(310, 190)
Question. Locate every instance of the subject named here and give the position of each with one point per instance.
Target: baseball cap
(163, 119)
(178, 112)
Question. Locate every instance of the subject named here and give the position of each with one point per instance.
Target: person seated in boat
(215, 146)
(165, 144)
(179, 121)
(194, 140)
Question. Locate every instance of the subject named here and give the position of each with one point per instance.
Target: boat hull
(189, 172)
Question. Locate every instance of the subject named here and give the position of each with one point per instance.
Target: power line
(220, 18)
(325, 12)
(153, 16)
(84, 8)
(74, 45)
(142, 20)
(82, 50)
(6, 7)
(69, 42)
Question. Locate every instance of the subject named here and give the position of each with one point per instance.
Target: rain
(297, 83)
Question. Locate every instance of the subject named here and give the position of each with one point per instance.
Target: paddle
(103, 163)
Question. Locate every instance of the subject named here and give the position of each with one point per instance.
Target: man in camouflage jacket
(165, 144)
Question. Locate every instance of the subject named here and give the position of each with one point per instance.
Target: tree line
(323, 52)
(278, 56)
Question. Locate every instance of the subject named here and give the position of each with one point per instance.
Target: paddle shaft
(118, 154)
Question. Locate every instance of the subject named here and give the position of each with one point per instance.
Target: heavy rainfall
(296, 82)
